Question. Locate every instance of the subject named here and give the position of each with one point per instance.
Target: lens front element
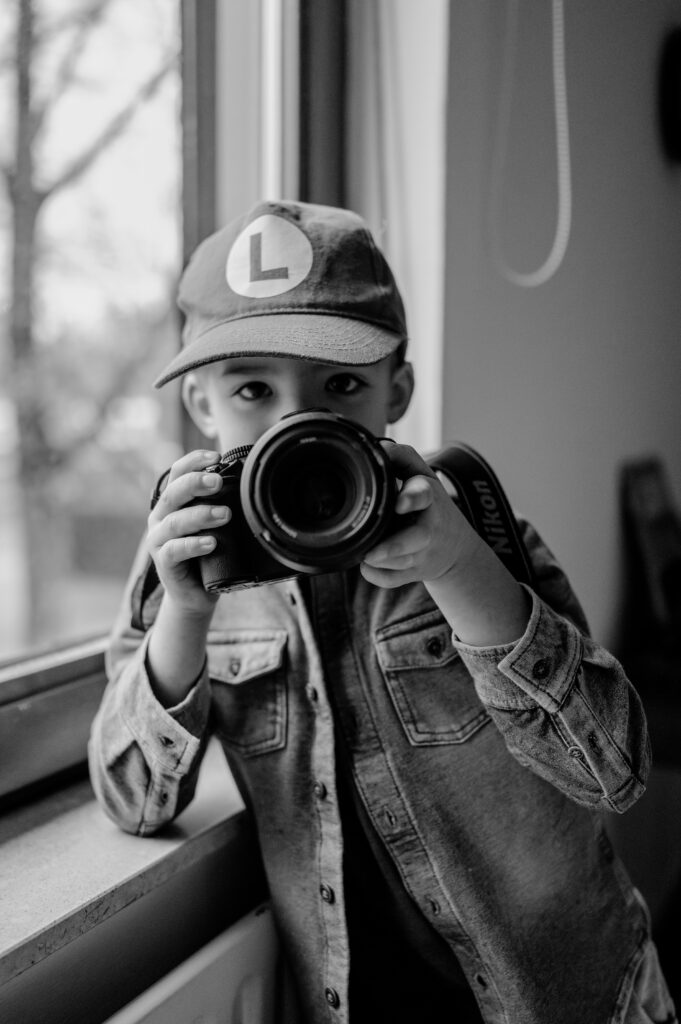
(312, 489)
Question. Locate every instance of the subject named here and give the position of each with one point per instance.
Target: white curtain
(397, 73)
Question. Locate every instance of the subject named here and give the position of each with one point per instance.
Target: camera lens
(317, 491)
(312, 488)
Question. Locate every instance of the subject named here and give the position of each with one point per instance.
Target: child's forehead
(284, 366)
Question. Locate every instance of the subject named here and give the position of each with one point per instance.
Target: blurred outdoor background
(90, 252)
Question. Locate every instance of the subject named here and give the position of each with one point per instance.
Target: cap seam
(374, 255)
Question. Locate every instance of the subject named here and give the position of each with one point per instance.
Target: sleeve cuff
(170, 736)
(539, 668)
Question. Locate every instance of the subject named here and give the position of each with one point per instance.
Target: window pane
(90, 251)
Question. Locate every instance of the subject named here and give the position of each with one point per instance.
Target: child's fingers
(192, 461)
(416, 495)
(388, 578)
(397, 563)
(188, 521)
(183, 489)
(401, 550)
(406, 461)
(181, 549)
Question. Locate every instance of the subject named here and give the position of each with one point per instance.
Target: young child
(425, 744)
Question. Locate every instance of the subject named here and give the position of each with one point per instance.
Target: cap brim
(324, 338)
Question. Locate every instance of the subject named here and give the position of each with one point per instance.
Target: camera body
(312, 495)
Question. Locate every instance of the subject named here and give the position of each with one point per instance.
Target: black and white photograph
(340, 511)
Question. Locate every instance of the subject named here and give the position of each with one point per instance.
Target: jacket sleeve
(144, 759)
(562, 702)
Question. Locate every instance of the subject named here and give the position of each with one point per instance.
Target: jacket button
(435, 646)
(234, 667)
(312, 694)
(319, 790)
(166, 741)
(327, 893)
(541, 668)
(332, 997)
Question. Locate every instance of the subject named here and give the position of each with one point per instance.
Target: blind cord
(548, 268)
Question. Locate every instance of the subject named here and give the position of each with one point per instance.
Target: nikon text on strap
(482, 500)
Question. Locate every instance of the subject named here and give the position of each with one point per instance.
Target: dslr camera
(312, 495)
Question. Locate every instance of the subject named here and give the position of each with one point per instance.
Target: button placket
(325, 807)
(332, 997)
(327, 893)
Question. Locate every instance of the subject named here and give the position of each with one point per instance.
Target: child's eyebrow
(237, 369)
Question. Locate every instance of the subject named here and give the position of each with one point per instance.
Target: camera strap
(482, 500)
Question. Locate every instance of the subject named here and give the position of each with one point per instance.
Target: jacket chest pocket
(429, 686)
(247, 673)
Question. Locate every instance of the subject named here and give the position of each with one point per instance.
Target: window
(90, 251)
(108, 181)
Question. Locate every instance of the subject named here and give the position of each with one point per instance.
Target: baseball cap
(289, 279)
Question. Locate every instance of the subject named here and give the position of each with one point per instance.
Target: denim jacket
(484, 772)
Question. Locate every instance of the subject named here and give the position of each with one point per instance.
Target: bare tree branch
(119, 384)
(7, 176)
(45, 33)
(7, 62)
(85, 21)
(115, 127)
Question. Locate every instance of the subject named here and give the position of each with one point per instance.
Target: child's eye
(344, 384)
(254, 390)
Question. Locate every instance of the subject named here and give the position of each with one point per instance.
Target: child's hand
(435, 538)
(174, 537)
(475, 592)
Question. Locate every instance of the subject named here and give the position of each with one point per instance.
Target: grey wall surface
(557, 385)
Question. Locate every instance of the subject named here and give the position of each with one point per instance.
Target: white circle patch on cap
(270, 256)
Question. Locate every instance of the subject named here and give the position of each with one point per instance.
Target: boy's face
(236, 400)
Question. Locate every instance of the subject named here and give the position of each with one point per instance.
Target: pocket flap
(424, 641)
(234, 657)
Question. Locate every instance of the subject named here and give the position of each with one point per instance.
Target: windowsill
(68, 869)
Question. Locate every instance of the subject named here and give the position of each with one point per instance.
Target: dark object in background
(653, 541)
(646, 836)
(669, 95)
(650, 650)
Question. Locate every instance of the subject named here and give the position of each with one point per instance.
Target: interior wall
(557, 385)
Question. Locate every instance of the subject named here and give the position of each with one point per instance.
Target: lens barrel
(317, 491)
